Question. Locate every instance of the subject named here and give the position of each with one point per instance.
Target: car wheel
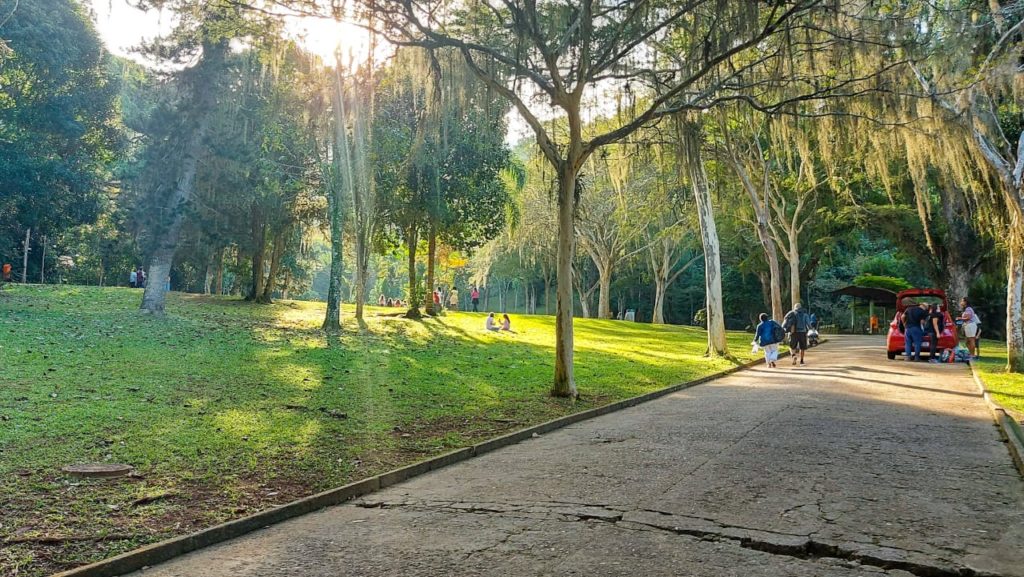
(891, 355)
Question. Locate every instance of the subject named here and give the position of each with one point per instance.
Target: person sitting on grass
(506, 323)
(490, 324)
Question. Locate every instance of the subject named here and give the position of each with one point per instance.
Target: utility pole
(24, 260)
(42, 264)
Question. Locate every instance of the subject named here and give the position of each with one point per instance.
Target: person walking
(133, 278)
(768, 335)
(474, 296)
(970, 319)
(914, 319)
(797, 322)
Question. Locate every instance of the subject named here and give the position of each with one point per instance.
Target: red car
(896, 342)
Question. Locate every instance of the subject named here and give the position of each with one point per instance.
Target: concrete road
(852, 465)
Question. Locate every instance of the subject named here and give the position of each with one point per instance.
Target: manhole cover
(97, 470)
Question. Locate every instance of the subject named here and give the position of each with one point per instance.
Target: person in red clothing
(6, 274)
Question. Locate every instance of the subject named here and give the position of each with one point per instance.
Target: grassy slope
(225, 408)
(1007, 388)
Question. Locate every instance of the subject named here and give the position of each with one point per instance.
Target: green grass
(1007, 389)
(225, 408)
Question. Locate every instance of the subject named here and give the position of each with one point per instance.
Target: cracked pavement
(833, 469)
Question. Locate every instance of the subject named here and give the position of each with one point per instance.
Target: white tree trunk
(660, 287)
(1014, 302)
(794, 269)
(692, 141)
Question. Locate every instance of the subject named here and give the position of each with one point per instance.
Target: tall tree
(59, 135)
(566, 49)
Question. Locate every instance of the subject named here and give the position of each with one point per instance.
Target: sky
(123, 27)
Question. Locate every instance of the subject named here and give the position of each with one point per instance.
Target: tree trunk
(332, 318)
(565, 382)
(42, 263)
(218, 287)
(286, 284)
(236, 283)
(202, 98)
(1014, 302)
(276, 255)
(692, 140)
(24, 262)
(764, 237)
(259, 255)
(660, 287)
(431, 254)
(208, 277)
(411, 239)
(794, 268)
(604, 298)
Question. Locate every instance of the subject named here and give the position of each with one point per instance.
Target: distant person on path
(506, 323)
(489, 324)
(453, 299)
(873, 324)
(133, 278)
(797, 322)
(914, 319)
(768, 335)
(935, 324)
(814, 321)
(474, 295)
(971, 322)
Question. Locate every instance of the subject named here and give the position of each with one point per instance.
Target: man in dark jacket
(797, 322)
(914, 319)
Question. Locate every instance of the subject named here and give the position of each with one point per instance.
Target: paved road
(829, 470)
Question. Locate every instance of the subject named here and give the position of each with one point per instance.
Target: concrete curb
(162, 551)
(1009, 428)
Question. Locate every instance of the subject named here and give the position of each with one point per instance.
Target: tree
(565, 50)
(203, 33)
(59, 134)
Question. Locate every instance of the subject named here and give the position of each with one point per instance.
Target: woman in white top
(491, 325)
(970, 326)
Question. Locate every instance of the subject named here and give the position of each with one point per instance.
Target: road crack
(802, 546)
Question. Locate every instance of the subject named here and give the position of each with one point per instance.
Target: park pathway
(852, 465)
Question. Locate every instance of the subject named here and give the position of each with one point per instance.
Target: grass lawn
(225, 408)
(1007, 388)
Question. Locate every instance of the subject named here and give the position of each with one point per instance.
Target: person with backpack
(768, 335)
(797, 323)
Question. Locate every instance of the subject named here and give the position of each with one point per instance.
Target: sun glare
(325, 38)
(124, 27)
